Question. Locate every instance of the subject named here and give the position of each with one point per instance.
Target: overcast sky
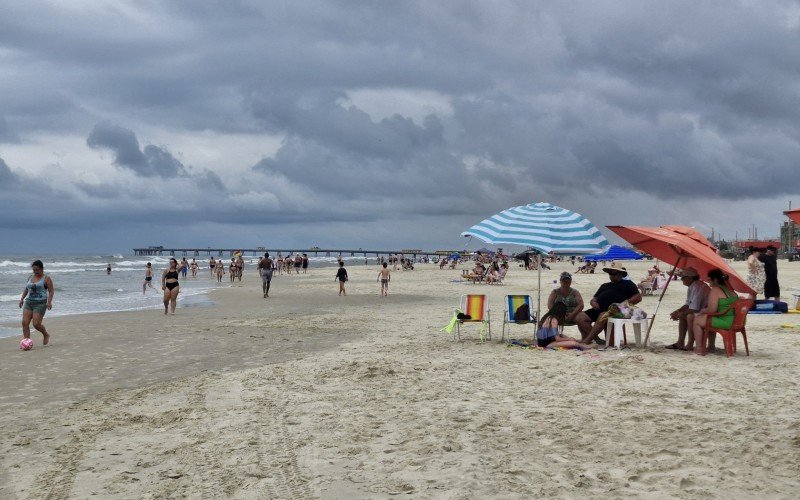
(389, 124)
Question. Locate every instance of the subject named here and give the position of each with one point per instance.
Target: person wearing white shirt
(696, 300)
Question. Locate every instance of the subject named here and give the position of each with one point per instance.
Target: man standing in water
(772, 290)
(148, 278)
(265, 269)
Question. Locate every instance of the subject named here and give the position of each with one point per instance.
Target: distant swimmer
(341, 275)
(108, 269)
(232, 270)
(305, 263)
(36, 299)
(184, 267)
(170, 285)
(193, 267)
(212, 265)
(265, 269)
(148, 277)
(280, 263)
(384, 276)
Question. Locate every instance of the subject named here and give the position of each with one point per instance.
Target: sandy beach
(311, 395)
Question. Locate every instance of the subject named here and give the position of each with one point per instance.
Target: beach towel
(460, 316)
(770, 305)
(448, 328)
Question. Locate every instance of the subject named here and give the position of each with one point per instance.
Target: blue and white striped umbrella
(543, 226)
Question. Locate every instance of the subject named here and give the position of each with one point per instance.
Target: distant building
(759, 244)
(790, 237)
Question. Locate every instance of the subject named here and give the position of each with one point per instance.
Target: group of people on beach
(286, 264)
(565, 303)
(762, 272)
(566, 308)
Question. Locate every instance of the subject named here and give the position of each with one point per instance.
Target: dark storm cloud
(153, 161)
(568, 102)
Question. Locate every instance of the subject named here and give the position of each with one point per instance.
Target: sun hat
(689, 272)
(565, 276)
(616, 267)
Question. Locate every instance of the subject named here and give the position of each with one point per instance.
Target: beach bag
(770, 305)
(463, 316)
(523, 313)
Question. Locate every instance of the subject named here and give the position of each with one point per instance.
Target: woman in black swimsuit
(170, 285)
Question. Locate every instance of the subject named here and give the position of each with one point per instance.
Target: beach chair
(513, 303)
(741, 307)
(476, 306)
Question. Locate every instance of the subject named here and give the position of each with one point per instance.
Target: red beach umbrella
(794, 215)
(683, 247)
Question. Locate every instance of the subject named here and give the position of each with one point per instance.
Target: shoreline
(200, 298)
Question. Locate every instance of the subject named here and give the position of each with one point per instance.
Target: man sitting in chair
(477, 273)
(696, 300)
(615, 291)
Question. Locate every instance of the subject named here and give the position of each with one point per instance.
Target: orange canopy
(680, 246)
(793, 214)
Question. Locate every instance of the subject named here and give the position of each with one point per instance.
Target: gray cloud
(6, 134)
(7, 177)
(570, 103)
(153, 161)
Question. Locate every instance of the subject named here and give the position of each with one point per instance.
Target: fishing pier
(315, 251)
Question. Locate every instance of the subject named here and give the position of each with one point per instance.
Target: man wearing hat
(615, 291)
(772, 290)
(696, 300)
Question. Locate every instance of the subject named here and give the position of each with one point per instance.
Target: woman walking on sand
(755, 272)
(219, 269)
(170, 285)
(341, 275)
(36, 299)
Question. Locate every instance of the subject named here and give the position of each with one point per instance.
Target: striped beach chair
(513, 303)
(476, 306)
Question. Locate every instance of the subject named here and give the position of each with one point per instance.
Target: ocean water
(82, 285)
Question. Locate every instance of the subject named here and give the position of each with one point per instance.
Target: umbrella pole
(653, 318)
(539, 300)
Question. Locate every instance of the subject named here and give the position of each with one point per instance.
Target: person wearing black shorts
(305, 263)
(265, 269)
(615, 291)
